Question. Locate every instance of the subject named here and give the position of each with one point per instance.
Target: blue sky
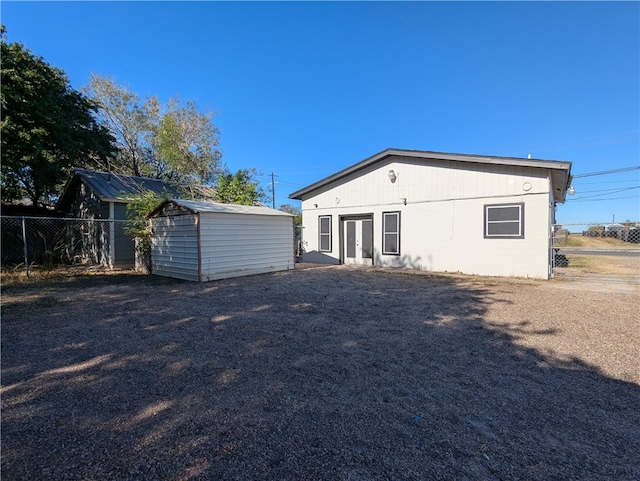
(304, 89)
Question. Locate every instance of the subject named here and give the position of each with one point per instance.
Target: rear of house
(436, 212)
(203, 241)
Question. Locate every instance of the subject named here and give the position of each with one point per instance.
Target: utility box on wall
(204, 241)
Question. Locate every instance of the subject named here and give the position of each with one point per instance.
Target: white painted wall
(236, 245)
(174, 250)
(442, 222)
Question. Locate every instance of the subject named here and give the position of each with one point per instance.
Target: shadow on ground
(322, 373)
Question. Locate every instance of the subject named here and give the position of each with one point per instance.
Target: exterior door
(358, 241)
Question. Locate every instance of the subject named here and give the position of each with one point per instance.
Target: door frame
(341, 233)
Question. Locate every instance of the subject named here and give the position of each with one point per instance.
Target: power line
(609, 182)
(604, 172)
(609, 192)
(603, 200)
(613, 191)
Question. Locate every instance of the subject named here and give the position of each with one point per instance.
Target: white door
(358, 241)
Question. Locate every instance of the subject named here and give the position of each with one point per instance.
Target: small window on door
(504, 221)
(391, 233)
(324, 229)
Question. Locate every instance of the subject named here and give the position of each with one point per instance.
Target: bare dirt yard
(330, 373)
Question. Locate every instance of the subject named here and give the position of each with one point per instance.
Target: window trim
(384, 233)
(520, 235)
(328, 234)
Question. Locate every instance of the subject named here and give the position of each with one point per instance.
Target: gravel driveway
(319, 373)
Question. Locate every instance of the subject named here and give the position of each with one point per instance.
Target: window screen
(504, 221)
(391, 234)
(324, 228)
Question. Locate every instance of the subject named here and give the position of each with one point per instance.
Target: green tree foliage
(174, 141)
(47, 127)
(139, 207)
(239, 188)
(185, 144)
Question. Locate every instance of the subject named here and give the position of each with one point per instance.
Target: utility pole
(273, 192)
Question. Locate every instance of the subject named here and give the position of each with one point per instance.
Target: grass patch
(27, 303)
(14, 282)
(574, 242)
(577, 240)
(606, 265)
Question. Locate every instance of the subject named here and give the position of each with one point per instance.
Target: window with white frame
(391, 233)
(504, 221)
(324, 230)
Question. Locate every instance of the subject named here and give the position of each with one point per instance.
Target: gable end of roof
(560, 178)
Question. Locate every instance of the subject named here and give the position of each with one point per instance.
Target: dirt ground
(337, 373)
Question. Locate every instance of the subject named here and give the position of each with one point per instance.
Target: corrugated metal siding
(234, 244)
(174, 251)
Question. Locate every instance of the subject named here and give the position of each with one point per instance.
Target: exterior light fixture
(392, 176)
(572, 191)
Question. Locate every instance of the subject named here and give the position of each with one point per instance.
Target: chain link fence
(52, 242)
(604, 248)
(628, 232)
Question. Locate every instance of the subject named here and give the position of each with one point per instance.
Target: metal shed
(204, 241)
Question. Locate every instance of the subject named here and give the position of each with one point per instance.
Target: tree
(239, 188)
(128, 120)
(290, 209)
(185, 144)
(174, 141)
(47, 127)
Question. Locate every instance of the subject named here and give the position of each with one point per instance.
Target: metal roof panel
(203, 206)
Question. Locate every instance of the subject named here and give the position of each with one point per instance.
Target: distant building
(102, 195)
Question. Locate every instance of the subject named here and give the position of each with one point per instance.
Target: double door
(358, 240)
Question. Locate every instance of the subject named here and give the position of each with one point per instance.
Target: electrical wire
(609, 192)
(613, 191)
(602, 200)
(608, 182)
(604, 172)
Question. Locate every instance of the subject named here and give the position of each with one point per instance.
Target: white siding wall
(235, 245)
(174, 251)
(443, 219)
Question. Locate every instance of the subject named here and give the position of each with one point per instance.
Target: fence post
(26, 250)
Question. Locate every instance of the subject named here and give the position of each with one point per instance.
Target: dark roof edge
(483, 159)
(79, 170)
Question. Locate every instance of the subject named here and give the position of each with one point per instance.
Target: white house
(437, 212)
(203, 241)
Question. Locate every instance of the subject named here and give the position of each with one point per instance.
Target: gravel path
(330, 373)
